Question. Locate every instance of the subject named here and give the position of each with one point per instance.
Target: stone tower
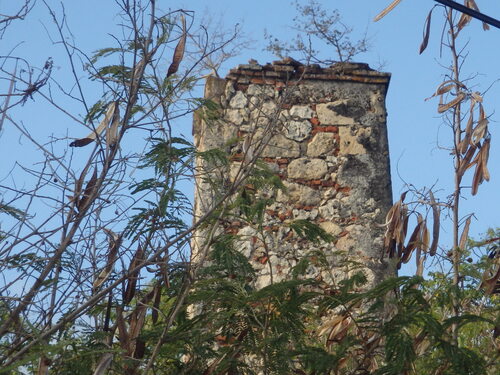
(323, 132)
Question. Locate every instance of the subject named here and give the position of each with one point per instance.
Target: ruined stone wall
(323, 132)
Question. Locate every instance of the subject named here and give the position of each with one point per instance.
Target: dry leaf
(465, 234)
(477, 179)
(464, 143)
(479, 131)
(436, 213)
(97, 132)
(89, 189)
(136, 323)
(481, 173)
(112, 133)
(81, 142)
(396, 226)
(425, 239)
(179, 50)
(477, 97)
(482, 114)
(463, 21)
(390, 7)
(114, 242)
(427, 32)
(337, 328)
(79, 185)
(444, 107)
(122, 328)
(419, 260)
(472, 4)
(485, 153)
(131, 282)
(466, 163)
(413, 242)
(445, 87)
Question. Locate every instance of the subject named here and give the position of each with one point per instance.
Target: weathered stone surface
(327, 142)
(331, 228)
(280, 146)
(330, 210)
(305, 214)
(321, 145)
(349, 142)
(300, 194)
(301, 111)
(307, 169)
(328, 116)
(261, 90)
(298, 130)
(239, 100)
(229, 91)
(263, 112)
(237, 116)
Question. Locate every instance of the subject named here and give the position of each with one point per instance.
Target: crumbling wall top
(288, 69)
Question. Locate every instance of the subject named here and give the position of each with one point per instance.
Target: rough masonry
(323, 132)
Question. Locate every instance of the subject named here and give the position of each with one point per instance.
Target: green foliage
(12, 211)
(103, 52)
(163, 155)
(169, 159)
(310, 231)
(226, 260)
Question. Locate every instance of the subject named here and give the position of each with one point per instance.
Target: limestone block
(328, 116)
(299, 194)
(331, 228)
(346, 244)
(298, 130)
(307, 168)
(301, 111)
(244, 244)
(330, 210)
(229, 91)
(215, 134)
(263, 280)
(236, 116)
(235, 170)
(281, 147)
(377, 102)
(349, 143)
(360, 241)
(305, 215)
(239, 100)
(263, 112)
(284, 115)
(321, 144)
(260, 90)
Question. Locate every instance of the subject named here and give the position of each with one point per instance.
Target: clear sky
(416, 133)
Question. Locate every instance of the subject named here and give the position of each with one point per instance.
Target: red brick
(241, 87)
(314, 121)
(315, 182)
(327, 183)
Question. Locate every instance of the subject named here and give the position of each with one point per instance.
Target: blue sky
(416, 133)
